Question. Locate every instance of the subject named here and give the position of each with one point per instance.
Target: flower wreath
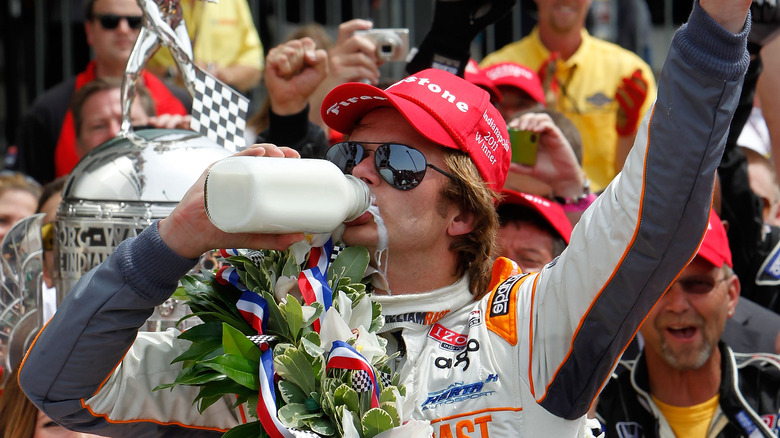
(320, 369)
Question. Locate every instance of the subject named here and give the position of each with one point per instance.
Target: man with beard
(685, 382)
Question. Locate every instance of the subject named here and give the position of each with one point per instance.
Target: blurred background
(42, 42)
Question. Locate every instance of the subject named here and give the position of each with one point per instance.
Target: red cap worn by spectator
(518, 76)
(444, 108)
(477, 76)
(550, 211)
(715, 245)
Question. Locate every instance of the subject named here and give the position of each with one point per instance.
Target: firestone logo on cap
(435, 89)
(334, 109)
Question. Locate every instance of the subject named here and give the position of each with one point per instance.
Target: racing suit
(527, 359)
(748, 405)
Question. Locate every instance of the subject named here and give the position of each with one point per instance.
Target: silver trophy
(218, 111)
(21, 273)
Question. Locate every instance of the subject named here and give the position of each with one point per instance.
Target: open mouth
(683, 333)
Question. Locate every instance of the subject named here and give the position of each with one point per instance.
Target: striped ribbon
(312, 281)
(344, 357)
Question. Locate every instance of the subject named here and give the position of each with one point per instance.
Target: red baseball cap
(518, 76)
(442, 107)
(477, 76)
(550, 211)
(715, 246)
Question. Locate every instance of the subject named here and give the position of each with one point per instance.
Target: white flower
(284, 286)
(410, 429)
(359, 316)
(333, 328)
(368, 345)
(348, 424)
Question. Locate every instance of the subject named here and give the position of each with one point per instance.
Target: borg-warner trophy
(120, 187)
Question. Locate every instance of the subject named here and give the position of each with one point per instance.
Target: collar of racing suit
(423, 308)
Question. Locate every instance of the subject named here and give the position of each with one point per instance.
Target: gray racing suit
(527, 360)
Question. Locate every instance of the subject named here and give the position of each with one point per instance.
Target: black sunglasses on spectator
(402, 166)
(111, 21)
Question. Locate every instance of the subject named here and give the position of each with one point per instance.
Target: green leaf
(387, 396)
(237, 368)
(294, 314)
(376, 421)
(236, 343)
(248, 430)
(290, 268)
(351, 262)
(291, 393)
(322, 426)
(348, 397)
(311, 344)
(392, 411)
(295, 367)
(295, 414)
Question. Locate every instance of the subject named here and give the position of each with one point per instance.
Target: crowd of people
(623, 283)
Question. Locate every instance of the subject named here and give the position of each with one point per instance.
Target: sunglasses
(403, 167)
(699, 285)
(111, 21)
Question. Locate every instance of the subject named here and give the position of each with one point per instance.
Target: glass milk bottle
(282, 195)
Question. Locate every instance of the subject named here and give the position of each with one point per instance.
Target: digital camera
(391, 44)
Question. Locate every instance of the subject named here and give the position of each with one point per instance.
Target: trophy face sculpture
(218, 111)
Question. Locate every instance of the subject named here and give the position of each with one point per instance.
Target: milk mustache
(282, 195)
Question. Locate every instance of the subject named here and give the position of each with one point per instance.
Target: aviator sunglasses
(111, 21)
(403, 167)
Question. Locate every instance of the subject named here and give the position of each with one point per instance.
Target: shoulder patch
(502, 308)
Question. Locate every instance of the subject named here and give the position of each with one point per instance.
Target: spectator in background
(604, 89)
(97, 113)
(557, 162)
(352, 58)
(47, 137)
(686, 383)
(532, 230)
(18, 199)
(477, 76)
(520, 88)
(50, 199)
(224, 40)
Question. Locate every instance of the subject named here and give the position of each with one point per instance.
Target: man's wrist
(574, 199)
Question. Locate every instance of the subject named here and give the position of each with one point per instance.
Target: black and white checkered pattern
(218, 111)
(361, 382)
(259, 340)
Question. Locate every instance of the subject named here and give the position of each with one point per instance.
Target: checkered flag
(218, 111)
(361, 381)
(262, 341)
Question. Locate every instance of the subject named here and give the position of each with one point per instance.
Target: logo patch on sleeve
(502, 308)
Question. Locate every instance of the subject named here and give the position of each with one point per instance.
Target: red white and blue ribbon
(344, 357)
(313, 282)
(229, 274)
(266, 408)
(254, 309)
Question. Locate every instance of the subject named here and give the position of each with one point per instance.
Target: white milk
(282, 195)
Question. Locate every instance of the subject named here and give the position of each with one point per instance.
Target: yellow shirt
(690, 421)
(221, 33)
(589, 79)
